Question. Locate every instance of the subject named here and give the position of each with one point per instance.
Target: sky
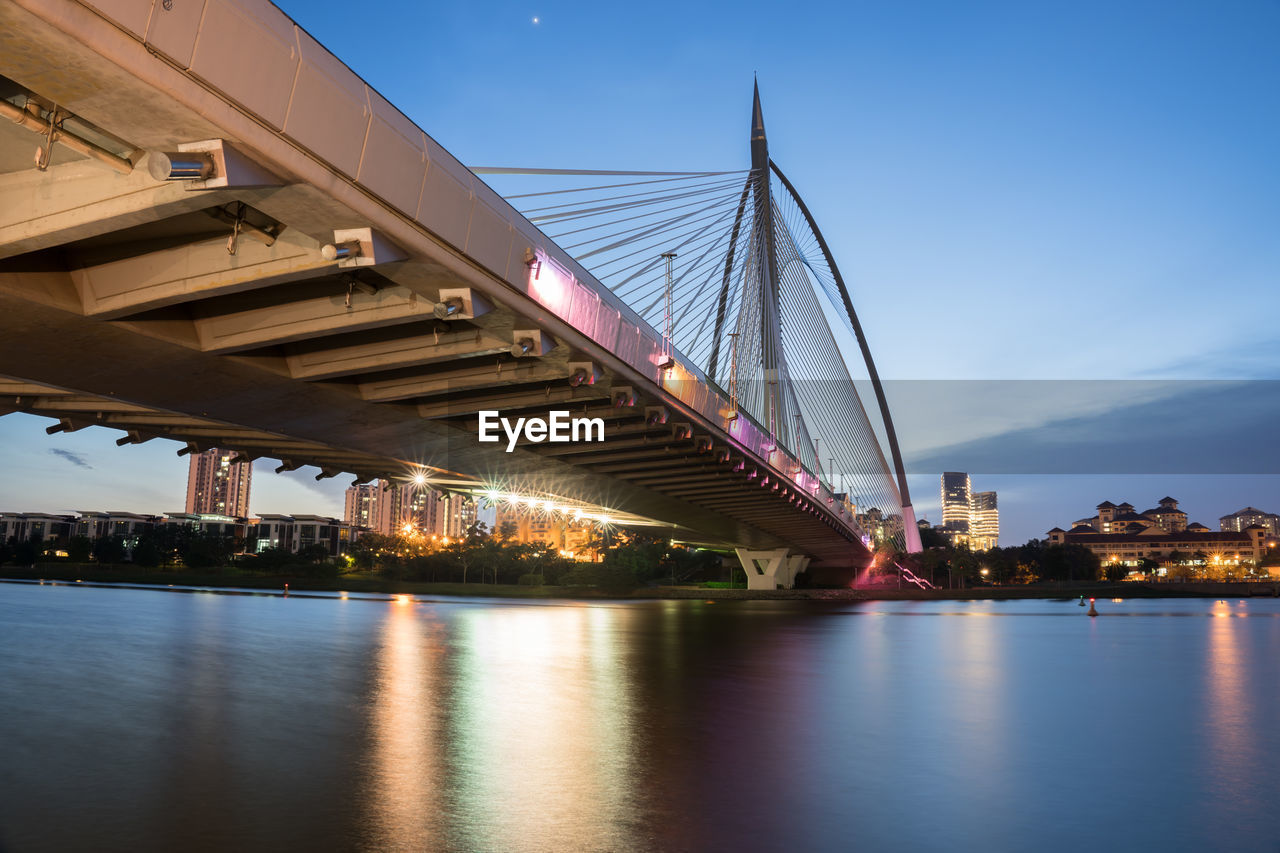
(1053, 195)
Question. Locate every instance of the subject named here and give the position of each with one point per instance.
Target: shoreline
(366, 586)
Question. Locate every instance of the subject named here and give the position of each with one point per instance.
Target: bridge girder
(195, 271)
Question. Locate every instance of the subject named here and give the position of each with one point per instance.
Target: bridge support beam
(775, 569)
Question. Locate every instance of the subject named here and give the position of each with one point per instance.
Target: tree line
(622, 560)
(1035, 561)
(162, 545)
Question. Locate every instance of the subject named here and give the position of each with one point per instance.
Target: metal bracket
(236, 215)
(45, 152)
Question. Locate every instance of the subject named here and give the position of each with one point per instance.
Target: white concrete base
(771, 569)
(911, 530)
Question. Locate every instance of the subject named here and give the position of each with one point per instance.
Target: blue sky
(1037, 191)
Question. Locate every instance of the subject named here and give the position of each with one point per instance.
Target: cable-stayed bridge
(213, 231)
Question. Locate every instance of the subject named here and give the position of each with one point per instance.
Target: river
(159, 720)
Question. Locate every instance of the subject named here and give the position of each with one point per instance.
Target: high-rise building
(530, 525)
(395, 508)
(218, 486)
(390, 508)
(410, 506)
(366, 504)
(969, 518)
(1242, 519)
(456, 515)
(956, 494)
(984, 521)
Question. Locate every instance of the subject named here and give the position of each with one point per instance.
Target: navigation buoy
(1082, 601)
(286, 590)
(1093, 611)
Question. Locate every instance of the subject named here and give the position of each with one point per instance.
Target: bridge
(213, 231)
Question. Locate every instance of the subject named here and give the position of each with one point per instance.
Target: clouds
(72, 457)
(1204, 427)
(295, 491)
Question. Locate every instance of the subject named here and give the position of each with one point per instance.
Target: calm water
(152, 720)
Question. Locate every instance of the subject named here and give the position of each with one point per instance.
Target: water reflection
(971, 654)
(539, 724)
(401, 795)
(159, 722)
(197, 709)
(1230, 714)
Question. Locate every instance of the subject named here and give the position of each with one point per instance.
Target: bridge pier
(774, 569)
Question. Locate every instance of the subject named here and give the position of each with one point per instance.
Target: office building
(969, 519)
(956, 495)
(984, 521)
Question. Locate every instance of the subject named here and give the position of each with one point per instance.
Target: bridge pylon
(773, 569)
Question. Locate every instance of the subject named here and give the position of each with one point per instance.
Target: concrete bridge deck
(213, 312)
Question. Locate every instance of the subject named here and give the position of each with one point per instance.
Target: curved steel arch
(910, 532)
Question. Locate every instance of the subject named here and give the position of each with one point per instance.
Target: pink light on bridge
(550, 283)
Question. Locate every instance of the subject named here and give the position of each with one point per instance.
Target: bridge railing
(631, 339)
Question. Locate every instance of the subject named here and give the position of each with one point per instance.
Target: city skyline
(993, 184)
(298, 491)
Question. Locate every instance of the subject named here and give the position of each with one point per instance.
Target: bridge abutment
(773, 569)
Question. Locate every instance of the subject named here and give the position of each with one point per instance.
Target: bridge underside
(214, 317)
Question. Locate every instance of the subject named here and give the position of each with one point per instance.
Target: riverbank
(373, 584)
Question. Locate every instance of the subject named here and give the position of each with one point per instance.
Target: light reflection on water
(144, 720)
(400, 794)
(538, 729)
